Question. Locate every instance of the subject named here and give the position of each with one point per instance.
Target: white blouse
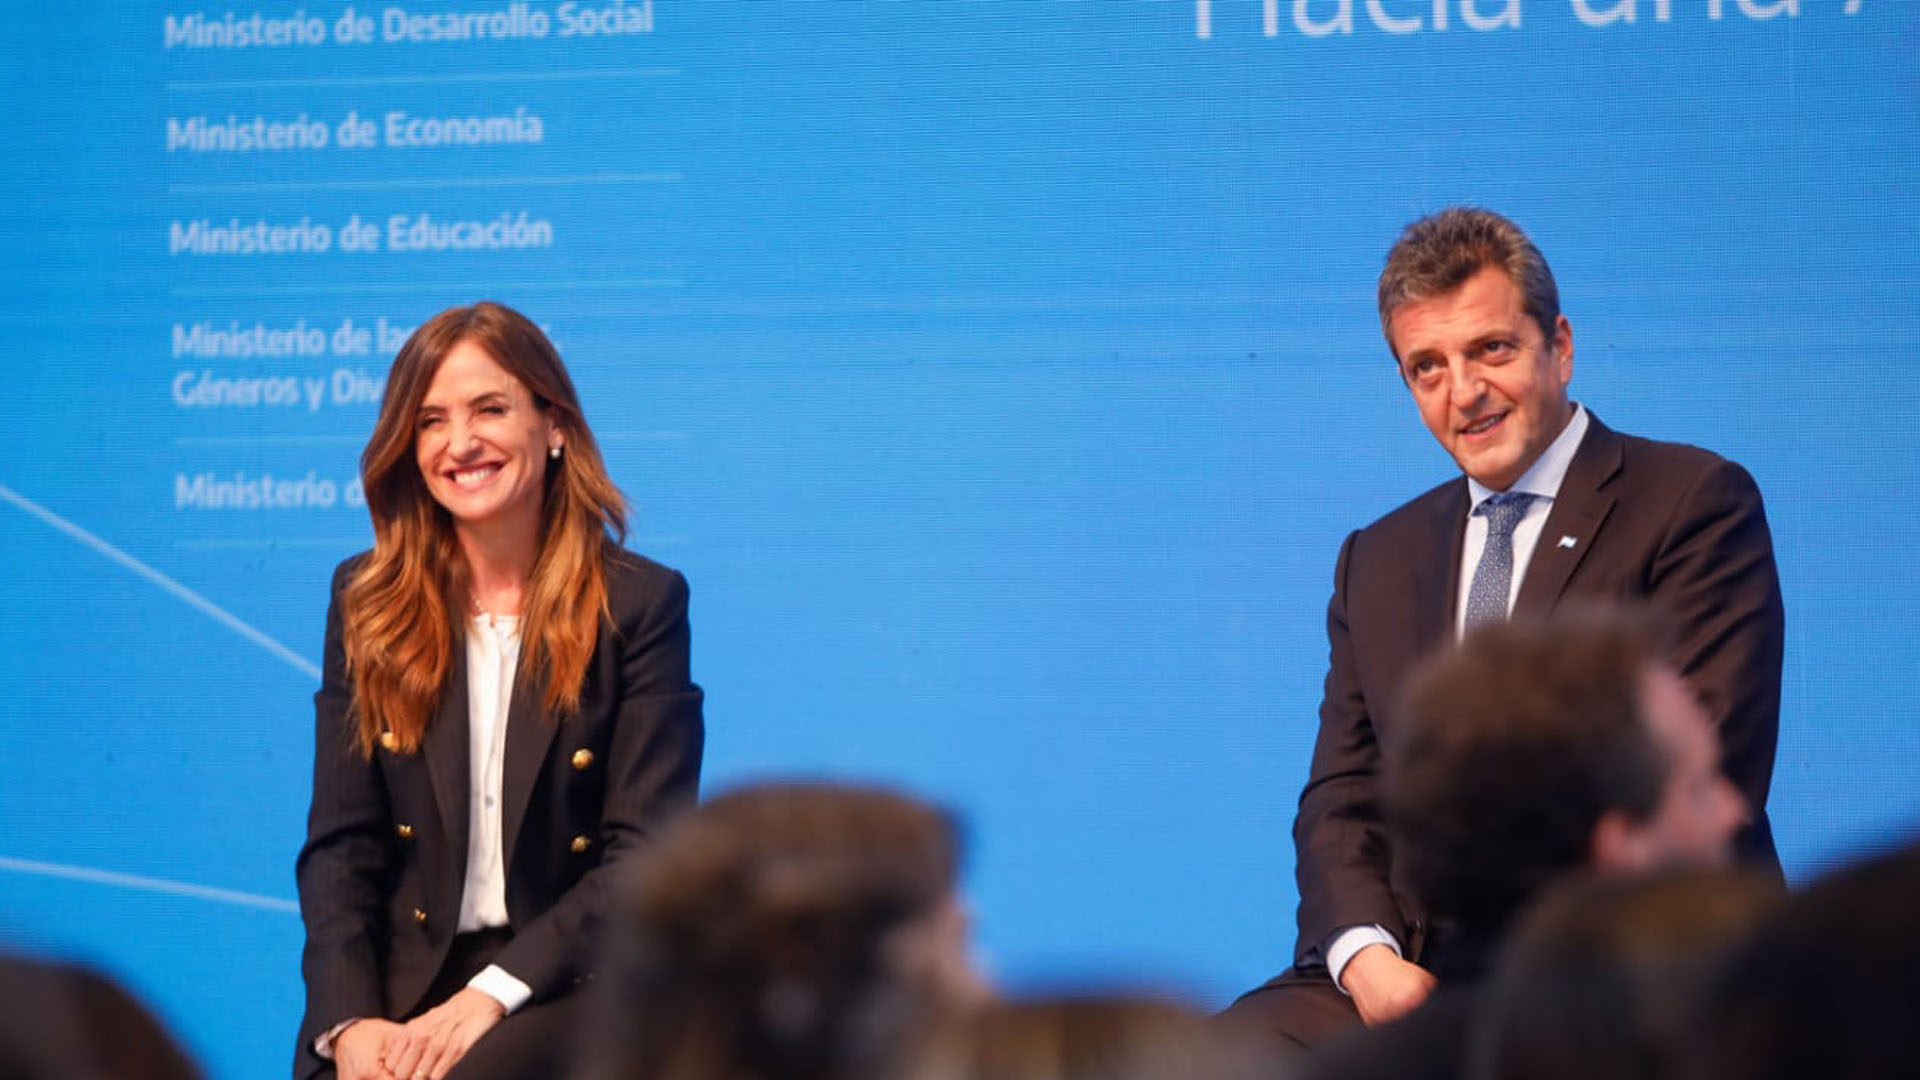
(493, 655)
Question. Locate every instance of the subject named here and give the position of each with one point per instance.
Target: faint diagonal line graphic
(142, 883)
(160, 580)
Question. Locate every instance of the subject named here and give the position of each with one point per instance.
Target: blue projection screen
(1003, 375)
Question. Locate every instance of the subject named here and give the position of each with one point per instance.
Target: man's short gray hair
(1438, 253)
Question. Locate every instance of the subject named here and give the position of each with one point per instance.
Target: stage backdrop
(1003, 375)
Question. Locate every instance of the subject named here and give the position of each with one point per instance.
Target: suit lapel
(1437, 580)
(529, 734)
(446, 747)
(1573, 525)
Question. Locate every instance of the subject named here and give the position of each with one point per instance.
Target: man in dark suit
(1553, 505)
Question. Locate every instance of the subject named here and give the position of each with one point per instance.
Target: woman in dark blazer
(506, 714)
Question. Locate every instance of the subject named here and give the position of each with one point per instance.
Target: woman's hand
(357, 1050)
(433, 1042)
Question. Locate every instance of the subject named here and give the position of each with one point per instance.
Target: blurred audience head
(1534, 749)
(797, 931)
(1828, 987)
(59, 1022)
(1602, 980)
(1087, 1038)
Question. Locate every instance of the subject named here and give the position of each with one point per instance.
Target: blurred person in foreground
(1551, 506)
(506, 715)
(787, 931)
(1828, 987)
(1089, 1038)
(1532, 752)
(65, 1022)
(1603, 979)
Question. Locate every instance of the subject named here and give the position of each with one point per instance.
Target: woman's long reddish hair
(399, 611)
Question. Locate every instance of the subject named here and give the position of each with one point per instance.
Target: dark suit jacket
(381, 873)
(1675, 526)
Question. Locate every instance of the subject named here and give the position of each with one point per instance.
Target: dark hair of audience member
(1511, 747)
(1087, 1038)
(780, 932)
(61, 1022)
(1602, 979)
(1828, 987)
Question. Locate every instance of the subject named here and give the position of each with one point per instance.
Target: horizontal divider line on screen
(165, 583)
(141, 882)
(266, 543)
(426, 182)
(640, 541)
(477, 288)
(208, 441)
(665, 435)
(204, 441)
(655, 541)
(182, 85)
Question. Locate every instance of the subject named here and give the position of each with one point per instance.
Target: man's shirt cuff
(494, 982)
(323, 1042)
(1346, 943)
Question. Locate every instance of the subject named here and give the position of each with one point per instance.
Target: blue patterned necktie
(1493, 578)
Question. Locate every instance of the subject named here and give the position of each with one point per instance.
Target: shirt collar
(1543, 477)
